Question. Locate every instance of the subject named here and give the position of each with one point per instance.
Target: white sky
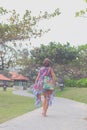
(64, 28)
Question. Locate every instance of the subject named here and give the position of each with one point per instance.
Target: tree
(7, 56)
(23, 59)
(25, 28)
(57, 52)
(68, 61)
(78, 68)
(83, 59)
(82, 13)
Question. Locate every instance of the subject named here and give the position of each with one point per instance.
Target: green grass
(13, 105)
(77, 94)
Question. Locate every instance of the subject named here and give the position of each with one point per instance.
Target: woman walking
(38, 89)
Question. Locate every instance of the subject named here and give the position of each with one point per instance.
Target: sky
(64, 28)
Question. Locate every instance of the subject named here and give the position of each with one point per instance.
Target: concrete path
(63, 115)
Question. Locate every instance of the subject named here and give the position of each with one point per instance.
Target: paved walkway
(65, 114)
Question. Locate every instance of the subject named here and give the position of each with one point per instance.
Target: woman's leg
(39, 96)
(38, 100)
(46, 101)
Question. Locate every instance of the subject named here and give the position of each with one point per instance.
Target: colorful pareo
(37, 88)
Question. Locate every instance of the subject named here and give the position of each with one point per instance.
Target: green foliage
(82, 13)
(70, 83)
(57, 52)
(82, 47)
(3, 11)
(68, 61)
(7, 56)
(81, 83)
(17, 28)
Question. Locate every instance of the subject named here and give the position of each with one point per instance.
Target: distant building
(20, 81)
(4, 81)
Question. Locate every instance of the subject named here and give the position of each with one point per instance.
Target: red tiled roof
(2, 77)
(13, 74)
(16, 76)
(19, 77)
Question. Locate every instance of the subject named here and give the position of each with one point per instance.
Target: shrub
(70, 83)
(81, 83)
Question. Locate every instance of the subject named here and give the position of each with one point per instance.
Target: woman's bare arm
(36, 80)
(53, 75)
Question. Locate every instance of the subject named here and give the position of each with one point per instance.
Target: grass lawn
(77, 94)
(13, 105)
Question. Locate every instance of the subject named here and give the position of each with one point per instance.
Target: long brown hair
(47, 62)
